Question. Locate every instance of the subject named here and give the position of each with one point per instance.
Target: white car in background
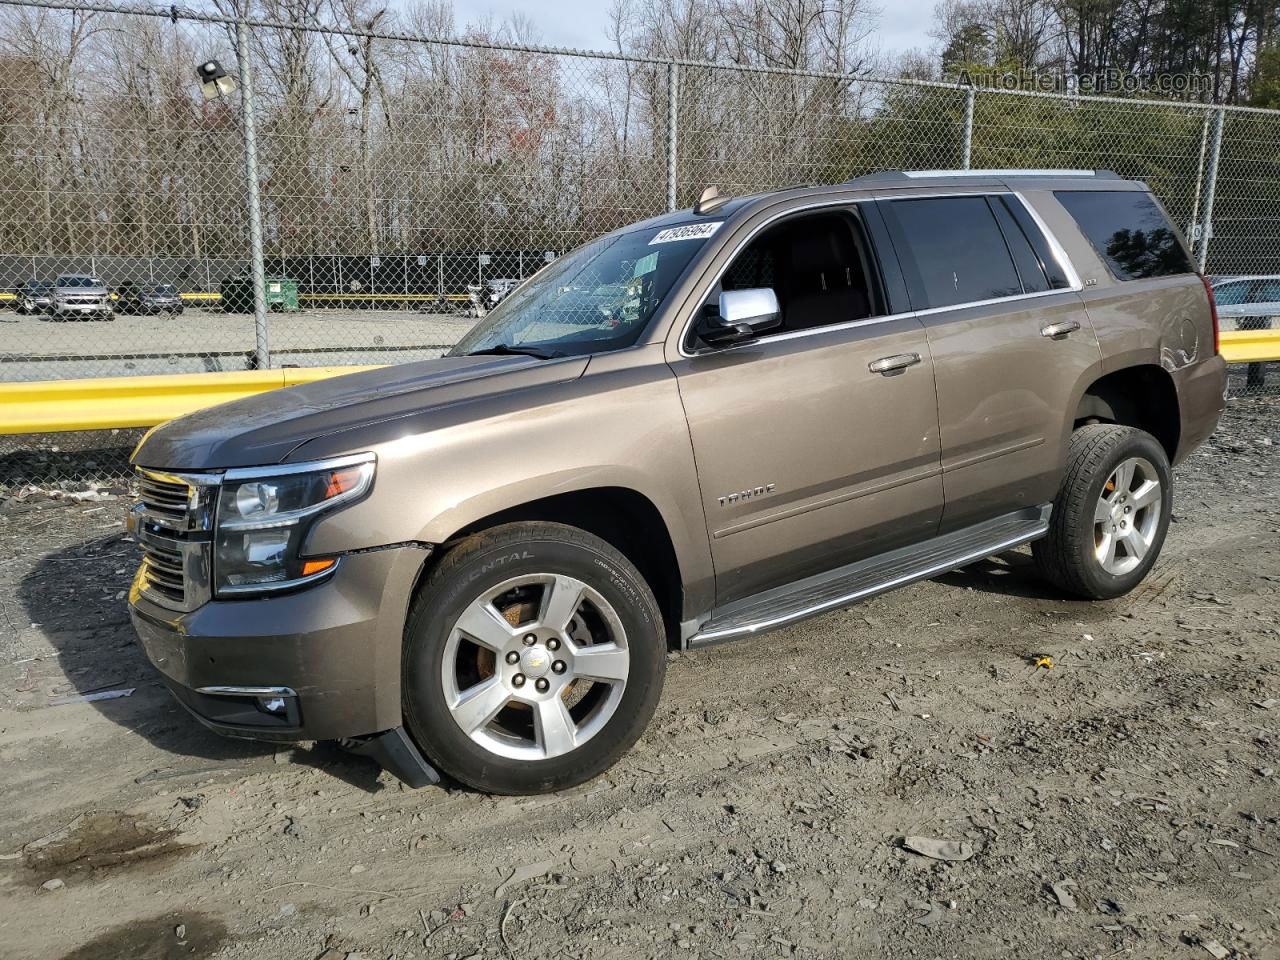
(1252, 302)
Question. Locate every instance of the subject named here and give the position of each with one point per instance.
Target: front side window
(956, 252)
(599, 297)
(1129, 231)
(819, 266)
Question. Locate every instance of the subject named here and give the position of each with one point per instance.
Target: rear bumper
(330, 652)
(1201, 399)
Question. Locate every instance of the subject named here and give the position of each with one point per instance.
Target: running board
(814, 595)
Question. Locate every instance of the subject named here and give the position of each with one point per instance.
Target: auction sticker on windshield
(690, 231)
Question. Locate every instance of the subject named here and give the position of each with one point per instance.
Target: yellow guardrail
(1250, 346)
(56, 406)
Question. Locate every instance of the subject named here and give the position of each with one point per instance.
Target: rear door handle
(899, 361)
(1056, 331)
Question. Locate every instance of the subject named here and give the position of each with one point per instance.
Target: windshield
(164, 290)
(78, 282)
(599, 297)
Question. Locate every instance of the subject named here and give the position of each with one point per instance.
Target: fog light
(273, 705)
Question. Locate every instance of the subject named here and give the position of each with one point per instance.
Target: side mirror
(743, 314)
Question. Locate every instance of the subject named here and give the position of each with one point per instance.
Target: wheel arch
(1142, 396)
(623, 517)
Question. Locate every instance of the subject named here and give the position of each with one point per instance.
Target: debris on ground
(938, 849)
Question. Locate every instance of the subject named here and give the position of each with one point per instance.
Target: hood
(96, 291)
(263, 429)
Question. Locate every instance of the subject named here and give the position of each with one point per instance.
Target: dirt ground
(1122, 804)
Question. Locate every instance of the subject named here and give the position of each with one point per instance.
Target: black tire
(483, 562)
(1066, 556)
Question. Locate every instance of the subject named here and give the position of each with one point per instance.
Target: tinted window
(958, 250)
(1031, 230)
(1030, 270)
(1129, 231)
(819, 267)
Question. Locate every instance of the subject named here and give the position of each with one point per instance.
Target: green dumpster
(237, 294)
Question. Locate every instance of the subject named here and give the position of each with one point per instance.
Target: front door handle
(899, 361)
(1056, 331)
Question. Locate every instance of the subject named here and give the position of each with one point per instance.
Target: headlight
(263, 518)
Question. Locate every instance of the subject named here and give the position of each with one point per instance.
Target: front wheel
(534, 658)
(1111, 513)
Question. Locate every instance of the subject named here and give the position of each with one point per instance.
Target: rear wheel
(1111, 514)
(534, 658)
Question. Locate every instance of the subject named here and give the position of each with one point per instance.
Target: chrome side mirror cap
(743, 315)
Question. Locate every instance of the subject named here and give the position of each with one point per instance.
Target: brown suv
(693, 429)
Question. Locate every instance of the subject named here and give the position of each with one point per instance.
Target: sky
(581, 23)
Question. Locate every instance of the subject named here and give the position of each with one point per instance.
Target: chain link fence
(388, 188)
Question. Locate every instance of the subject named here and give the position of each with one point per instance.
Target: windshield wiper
(507, 349)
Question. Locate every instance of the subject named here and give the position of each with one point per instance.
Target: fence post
(1211, 179)
(262, 347)
(968, 129)
(673, 118)
(1193, 227)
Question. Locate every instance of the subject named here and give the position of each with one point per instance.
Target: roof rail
(886, 176)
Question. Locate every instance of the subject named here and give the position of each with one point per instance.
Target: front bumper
(331, 651)
(83, 309)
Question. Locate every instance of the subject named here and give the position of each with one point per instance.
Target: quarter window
(1129, 231)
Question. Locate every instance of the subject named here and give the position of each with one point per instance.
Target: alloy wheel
(1127, 516)
(535, 667)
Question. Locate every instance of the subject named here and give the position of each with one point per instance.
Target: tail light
(1213, 314)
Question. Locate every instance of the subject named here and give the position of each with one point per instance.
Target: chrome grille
(172, 520)
(163, 569)
(165, 499)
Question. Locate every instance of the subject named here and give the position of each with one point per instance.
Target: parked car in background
(79, 296)
(34, 296)
(1252, 303)
(148, 298)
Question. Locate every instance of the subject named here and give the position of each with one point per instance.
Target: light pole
(216, 82)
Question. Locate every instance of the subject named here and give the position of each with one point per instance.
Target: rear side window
(959, 253)
(1129, 231)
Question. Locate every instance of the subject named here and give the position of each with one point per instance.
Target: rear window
(1129, 231)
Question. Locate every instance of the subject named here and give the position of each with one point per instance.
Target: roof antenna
(710, 201)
